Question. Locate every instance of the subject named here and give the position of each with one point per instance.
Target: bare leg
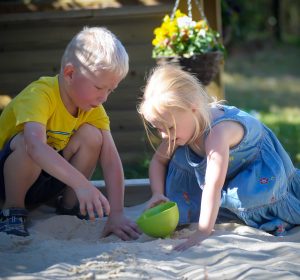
(20, 173)
(82, 152)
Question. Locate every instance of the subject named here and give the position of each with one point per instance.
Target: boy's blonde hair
(94, 49)
(169, 88)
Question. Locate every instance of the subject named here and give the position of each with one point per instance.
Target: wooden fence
(31, 45)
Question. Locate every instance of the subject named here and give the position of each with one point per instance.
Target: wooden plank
(144, 182)
(45, 36)
(19, 61)
(125, 96)
(134, 157)
(123, 99)
(130, 141)
(128, 120)
(136, 191)
(33, 60)
(109, 13)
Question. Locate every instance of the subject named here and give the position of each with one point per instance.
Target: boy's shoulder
(43, 88)
(41, 93)
(44, 83)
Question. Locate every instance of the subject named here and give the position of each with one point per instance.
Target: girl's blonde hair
(169, 88)
(94, 49)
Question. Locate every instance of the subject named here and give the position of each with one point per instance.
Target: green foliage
(258, 20)
(286, 125)
(268, 81)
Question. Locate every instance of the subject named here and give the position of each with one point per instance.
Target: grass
(267, 81)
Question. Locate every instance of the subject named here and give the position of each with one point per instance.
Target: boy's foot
(12, 221)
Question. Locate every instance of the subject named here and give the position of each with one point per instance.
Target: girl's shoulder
(222, 112)
(224, 126)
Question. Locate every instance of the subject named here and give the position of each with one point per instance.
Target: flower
(182, 36)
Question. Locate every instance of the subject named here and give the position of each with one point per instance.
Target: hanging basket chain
(174, 9)
(198, 4)
(189, 5)
(190, 8)
(189, 2)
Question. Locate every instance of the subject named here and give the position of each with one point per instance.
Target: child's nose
(102, 98)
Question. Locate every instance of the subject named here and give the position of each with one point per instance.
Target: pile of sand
(64, 247)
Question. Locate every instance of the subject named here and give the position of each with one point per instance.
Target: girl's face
(179, 127)
(87, 92)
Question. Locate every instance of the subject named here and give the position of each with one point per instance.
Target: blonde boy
(56, 130)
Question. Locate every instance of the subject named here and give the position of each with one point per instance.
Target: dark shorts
(44, 188)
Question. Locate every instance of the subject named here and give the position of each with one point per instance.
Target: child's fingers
(82, 208)
(98, 208)
(90, 210)
(105, 204)
(157, 202)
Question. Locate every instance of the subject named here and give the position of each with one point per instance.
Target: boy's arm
(49, 160)
(112, 171)
(114, 181)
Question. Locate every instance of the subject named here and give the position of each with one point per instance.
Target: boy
(56, 130)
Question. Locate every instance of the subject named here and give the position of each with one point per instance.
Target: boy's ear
(68, 71)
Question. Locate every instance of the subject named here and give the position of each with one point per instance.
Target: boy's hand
(91, 200)
(121, 226)
(156, 199)
(195, 239)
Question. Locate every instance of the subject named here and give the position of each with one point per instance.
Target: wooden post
(212, 11)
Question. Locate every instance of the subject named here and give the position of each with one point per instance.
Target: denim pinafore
(262, 186)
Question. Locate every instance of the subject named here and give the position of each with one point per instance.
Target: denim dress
(262, 186)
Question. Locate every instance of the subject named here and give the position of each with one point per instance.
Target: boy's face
(89, 91)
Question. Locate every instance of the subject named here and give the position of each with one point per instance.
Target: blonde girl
(214, 155)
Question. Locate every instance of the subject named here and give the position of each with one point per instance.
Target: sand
(64, 247)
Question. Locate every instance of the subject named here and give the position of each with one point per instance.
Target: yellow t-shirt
(41, 102)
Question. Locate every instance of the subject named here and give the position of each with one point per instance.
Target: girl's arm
(217, 145)
(157, 174)
(217, 150)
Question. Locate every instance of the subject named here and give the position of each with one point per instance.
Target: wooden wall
(31, 45)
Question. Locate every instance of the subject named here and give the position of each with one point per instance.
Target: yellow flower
(181, 36)
(200, 24)
(179, 14)
(166, 18)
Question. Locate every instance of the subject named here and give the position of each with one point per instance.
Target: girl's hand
(195, 239)
(155, 200)
(91, 200)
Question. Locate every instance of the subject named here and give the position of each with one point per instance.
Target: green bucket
(159, 221)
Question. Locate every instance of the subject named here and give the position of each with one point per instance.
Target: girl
(214, 155)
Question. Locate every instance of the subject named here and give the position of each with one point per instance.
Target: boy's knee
(18, 142)
(86, 136)
(90, 136)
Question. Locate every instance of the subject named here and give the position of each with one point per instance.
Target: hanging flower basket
(190, 44)
(204, 66)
